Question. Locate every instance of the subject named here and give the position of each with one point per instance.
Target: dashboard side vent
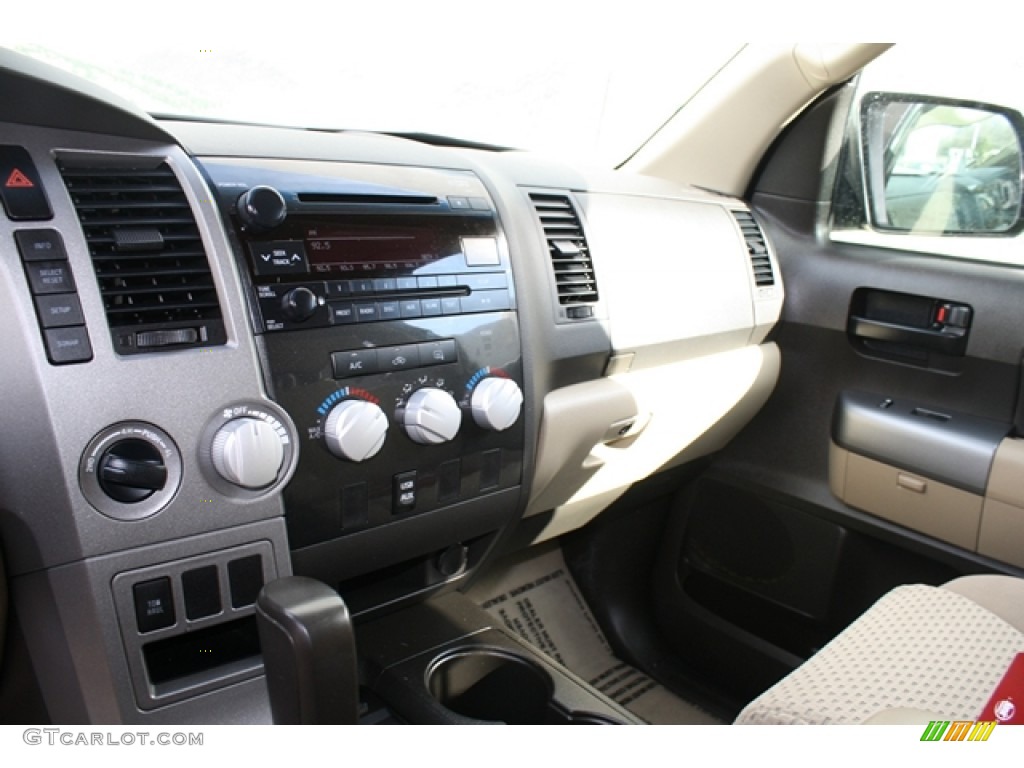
(757, 247)
(148, 256)
(570, 255)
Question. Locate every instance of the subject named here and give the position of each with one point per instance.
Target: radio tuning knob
(248, 453)
(355, 430)
(496, 403)
(431, 417)
(262, 208)
(299, 304)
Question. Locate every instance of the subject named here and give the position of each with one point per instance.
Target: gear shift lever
(309, 653)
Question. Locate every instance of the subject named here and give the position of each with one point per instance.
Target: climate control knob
(431, 417)
(248, 452)
(496, 403)
(355, 430)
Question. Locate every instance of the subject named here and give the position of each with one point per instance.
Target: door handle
(947, 340)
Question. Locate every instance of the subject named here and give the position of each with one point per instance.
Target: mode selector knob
(299, 304)
(355, 430)
(496, 403)
(431, 417)
(248, 452)
(262, 208)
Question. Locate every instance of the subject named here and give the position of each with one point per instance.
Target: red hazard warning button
(18, 180)
(20, 186)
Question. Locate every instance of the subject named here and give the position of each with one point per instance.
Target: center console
(386, 318)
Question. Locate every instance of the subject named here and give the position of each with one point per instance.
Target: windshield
(597, 109)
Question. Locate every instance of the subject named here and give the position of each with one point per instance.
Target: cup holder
(497, 686)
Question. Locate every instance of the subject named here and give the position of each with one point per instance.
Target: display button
(438, 352)
(279, 257)
(68, 345)
(399, 358)
(21, 188)
(40, 245)
(201, 590)
(154, 604)
(50, 277)
(431, 307)
(366, 313)
(359, 362)
(389, 310)
(411, 308)
(486, 301)
(59, 310)
(404, 492)
(342, 313)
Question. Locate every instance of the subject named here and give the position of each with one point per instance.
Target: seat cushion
(919, 647)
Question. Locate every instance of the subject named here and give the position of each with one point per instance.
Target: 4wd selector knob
(248, 452)
(355, 430)
(496, 403)
(431, 417)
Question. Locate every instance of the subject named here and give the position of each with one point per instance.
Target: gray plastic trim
(953, 448)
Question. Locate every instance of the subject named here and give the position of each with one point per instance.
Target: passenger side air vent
(148, 256)
(760, 262)
(570, 256)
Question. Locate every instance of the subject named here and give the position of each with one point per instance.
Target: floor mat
(538, 600)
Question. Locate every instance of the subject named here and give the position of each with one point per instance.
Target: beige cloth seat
(931, 652)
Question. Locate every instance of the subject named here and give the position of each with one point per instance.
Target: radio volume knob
(431, 417)
(262, 208)
(299, 304)
(496, 403)
(248, 453)
(355, 430)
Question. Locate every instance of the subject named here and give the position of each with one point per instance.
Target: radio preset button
(406, 283)
(339, 288)
(382, 284)
(426, 282)
(362, 287)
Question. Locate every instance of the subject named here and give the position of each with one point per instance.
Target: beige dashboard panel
(911, 500)
(1002, 521)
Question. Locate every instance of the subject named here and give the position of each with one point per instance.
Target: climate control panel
(398, 419)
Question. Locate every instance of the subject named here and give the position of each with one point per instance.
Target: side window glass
(924, 168)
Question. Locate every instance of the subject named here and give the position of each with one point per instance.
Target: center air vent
(570, 256)
(148, 256)
(760, 261)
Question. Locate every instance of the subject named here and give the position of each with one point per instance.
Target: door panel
(763, 563)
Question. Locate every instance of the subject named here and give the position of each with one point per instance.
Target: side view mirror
(940, 166)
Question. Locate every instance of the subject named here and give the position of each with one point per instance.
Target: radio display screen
(370, 247)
